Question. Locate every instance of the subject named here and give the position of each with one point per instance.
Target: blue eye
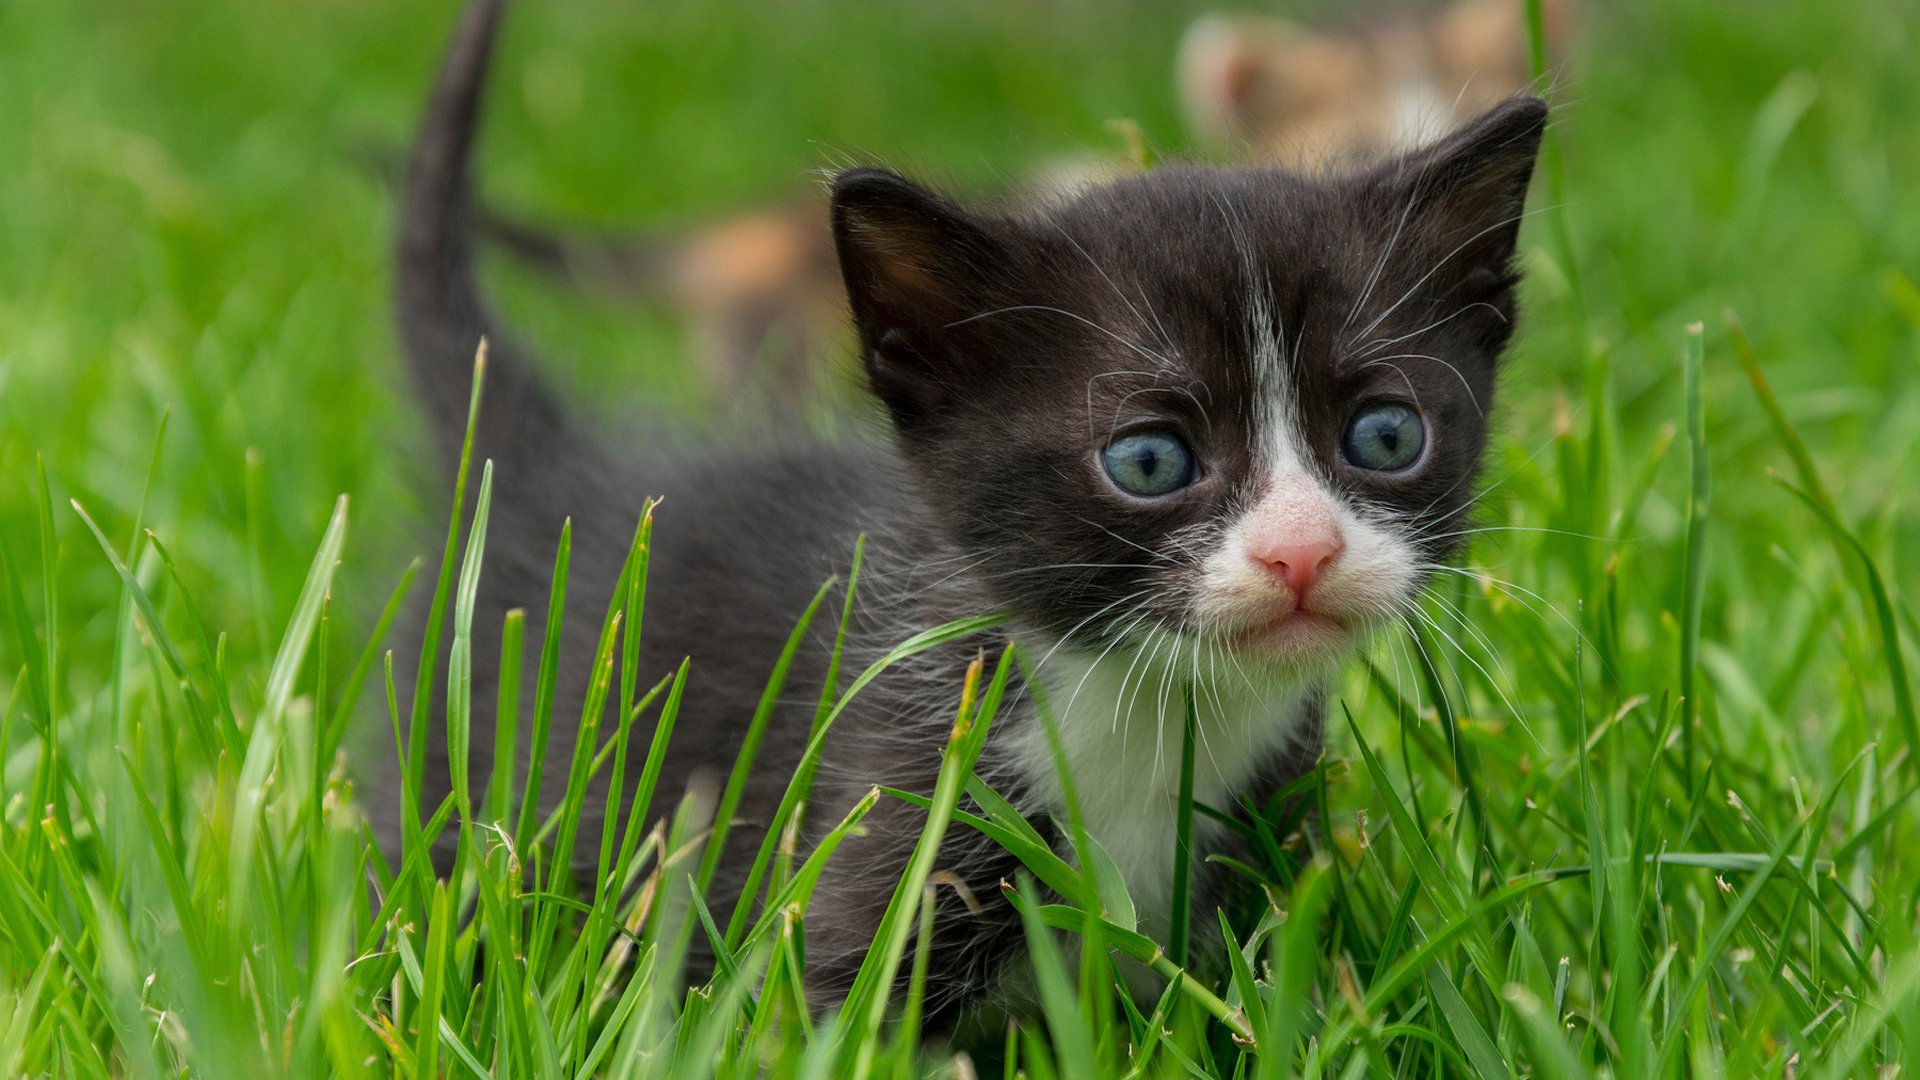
(1384, 438)
(1149, 463)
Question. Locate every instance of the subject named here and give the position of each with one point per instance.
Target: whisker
(1122, 539)
(1382, 343)
(1471, 396)
(1373, 279)
(1165, 340)
(1136, 347)
(1424, 278)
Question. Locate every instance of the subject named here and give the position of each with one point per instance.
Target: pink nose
(1298, 565)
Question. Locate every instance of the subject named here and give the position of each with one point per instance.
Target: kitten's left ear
(917, 267)
(1466, 194)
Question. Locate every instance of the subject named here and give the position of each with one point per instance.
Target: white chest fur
(1121, 719)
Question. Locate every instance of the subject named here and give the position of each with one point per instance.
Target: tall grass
(1633, 795)
(1552, 885)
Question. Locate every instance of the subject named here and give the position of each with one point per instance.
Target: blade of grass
(872, 985)
(1695, 584)
(506, 729)
(1181, 910)
(429, 659)
(750, 745)
(543, 692)
(460, 658)
(802, 781)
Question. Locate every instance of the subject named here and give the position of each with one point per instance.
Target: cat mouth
(1299, 633)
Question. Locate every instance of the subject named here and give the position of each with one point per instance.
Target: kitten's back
(742, 539)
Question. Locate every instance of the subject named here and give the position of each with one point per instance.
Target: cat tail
(442, 316)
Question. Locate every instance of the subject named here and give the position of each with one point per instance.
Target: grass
(1636, 797)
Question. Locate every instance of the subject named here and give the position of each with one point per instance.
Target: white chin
(1300, 639)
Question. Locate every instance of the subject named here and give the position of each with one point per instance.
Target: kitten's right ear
(915, 265)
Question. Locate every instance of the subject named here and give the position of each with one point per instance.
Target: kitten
(1198, 424)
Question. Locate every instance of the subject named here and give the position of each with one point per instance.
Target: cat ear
(1463, 199)
(916, 266)
(1473, 183)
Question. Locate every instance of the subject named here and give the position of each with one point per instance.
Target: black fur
(1005, 350)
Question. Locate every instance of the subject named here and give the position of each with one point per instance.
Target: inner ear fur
(916, 266)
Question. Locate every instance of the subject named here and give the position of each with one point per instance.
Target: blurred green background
(190, 227)
(187, 221)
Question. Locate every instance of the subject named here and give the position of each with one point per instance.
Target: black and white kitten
(1200, 423)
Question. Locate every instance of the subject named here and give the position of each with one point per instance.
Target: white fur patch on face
(1370, 572)
(1371, 576)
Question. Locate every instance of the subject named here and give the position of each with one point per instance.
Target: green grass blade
(506, 730)
(1180, 915)
(802, 781)
(1693, 595)
(750, 744)
(460, 657)
(867, 1001)
(543, 693)
(429, 659)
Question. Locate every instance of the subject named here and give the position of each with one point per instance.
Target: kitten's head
(1239, 406)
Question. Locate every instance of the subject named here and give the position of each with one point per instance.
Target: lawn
(1635, 797)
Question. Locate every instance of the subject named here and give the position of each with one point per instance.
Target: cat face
(1238, 407)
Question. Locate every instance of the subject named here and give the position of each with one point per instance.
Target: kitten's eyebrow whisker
(1373, 279)
(1166, 341)
(1014, 308)
(1114, 423)
(1404, 377)
(1471, 396)
(1109, 375)
(1377, 344)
